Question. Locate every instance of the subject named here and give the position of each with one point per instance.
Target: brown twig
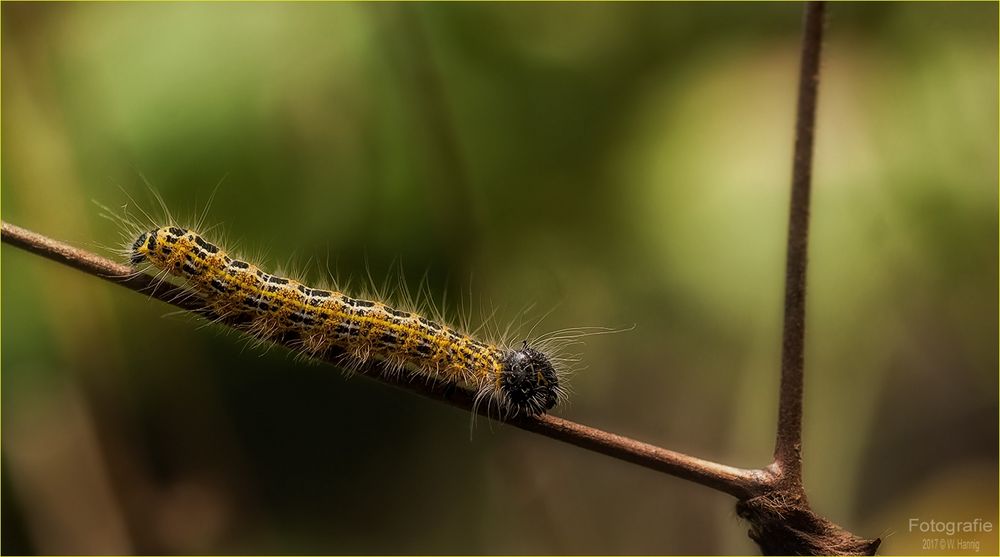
(781, 521)
(740, 483)
(788, 446)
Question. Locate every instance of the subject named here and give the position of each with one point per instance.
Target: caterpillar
(518, 380)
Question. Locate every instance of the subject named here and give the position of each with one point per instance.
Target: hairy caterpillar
(518, 380)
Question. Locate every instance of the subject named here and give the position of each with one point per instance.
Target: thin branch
(738, 482)
(781, 521)
(788, 446)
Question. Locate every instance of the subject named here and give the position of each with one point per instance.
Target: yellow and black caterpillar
(518, 380)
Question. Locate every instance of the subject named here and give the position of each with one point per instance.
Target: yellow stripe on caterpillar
(519, 381)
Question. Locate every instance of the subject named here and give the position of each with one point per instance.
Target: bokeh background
(615, 164)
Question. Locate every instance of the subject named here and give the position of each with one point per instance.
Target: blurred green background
(615, 164)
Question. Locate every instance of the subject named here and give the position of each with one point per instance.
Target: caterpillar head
(528, 383)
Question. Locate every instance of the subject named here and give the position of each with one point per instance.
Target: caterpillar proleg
(517, 380)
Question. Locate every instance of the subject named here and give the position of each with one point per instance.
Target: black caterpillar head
(528, 382)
